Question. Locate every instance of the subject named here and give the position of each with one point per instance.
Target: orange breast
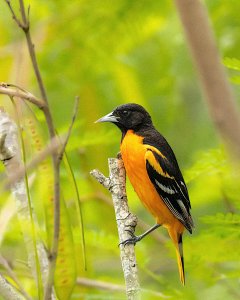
(133, 154)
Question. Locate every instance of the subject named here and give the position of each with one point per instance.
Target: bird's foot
(133, 240)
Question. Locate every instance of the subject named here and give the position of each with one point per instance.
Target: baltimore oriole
(153, 171)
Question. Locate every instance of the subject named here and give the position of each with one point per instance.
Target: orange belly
(133, 154)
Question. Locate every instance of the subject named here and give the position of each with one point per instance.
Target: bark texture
(126, 222)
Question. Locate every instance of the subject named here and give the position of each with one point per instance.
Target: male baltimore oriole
(153, 171)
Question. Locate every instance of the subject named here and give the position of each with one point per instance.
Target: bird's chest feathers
(133, 154)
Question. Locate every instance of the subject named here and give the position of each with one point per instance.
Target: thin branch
(64, 145)
(52, 147)
(25, 26)
(25, 19)
(101, 285)
(7, 291)
(104, 181)
(126, 222)
(12, 275)
(15, 91)
(112, 287)
(55, 239)
(220, 99)
(56, 158)
(15, 18)
(54, 249)
(56, 166)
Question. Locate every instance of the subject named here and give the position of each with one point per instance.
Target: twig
(52, 147)
(98, 284)
(54, 249)
(56, 165)
(7, 291)
(126, 222)
(64, 145)
(14, 91)
(112, 287)
(25, 26)
(26, 29)
(220, 99)
(12, 275)
(55, 239)
(15, 18)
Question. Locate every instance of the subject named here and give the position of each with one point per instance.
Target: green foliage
(207, 163)
(65, 274)
(233, 64)
(111, 53)
(230, 222)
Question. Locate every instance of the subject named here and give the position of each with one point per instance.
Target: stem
(220, 99)
(55, 161)
(7, 291)
(54, 249)
(126, 222)
(31, 50)
(30, 211)
(13, 276)
(56, 157)
(15, 91)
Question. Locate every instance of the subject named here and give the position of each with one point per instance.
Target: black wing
(169, 183)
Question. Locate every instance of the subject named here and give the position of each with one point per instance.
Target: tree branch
(52, 147)
(101, 285)
(64, 145)
(25, 26)
(13, 276)
(54, 249)
(15, 18)
(7, 291)
(126, 222)
(15, 91)
(111, 287)
(220, 99)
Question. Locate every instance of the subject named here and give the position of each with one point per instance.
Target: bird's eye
(125, 113)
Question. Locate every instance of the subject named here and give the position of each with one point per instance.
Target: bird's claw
(133, 240)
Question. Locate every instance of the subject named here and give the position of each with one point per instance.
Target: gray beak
(108, 118)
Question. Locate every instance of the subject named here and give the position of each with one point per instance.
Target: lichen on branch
(126, 222)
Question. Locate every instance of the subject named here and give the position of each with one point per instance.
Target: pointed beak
(108, 118)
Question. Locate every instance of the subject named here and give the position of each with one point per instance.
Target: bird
(154, 173)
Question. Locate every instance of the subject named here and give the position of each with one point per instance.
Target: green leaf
(232, 63)
(65, 273)
(235, 79)
(78, 205)
(30, 222)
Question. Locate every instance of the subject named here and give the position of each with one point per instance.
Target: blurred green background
(109, 53)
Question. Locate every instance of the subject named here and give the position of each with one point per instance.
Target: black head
(129, 116)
